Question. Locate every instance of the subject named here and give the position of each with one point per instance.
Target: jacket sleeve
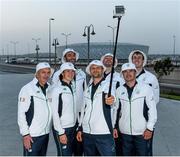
(54, 94)
(84, 89)
(81, 117)
(155, 87)
(152, 112)
(23, 106)
(116, 111)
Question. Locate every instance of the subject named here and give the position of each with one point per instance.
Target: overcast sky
(148, 22)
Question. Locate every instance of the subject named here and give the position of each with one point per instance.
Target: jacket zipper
(48, 114)
(74, 108)
(130, 117)
(90, 116)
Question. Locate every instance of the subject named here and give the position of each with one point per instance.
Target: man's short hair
(138, 53)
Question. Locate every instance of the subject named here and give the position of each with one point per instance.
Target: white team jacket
(80, 85)
(34, 112)
(151, 80)
(93, 118)
(63, 107)
(132, 120)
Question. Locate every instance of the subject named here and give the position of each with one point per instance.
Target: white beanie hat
(132, 53)
(63, 60)
(94, 62)
(42, 65)
(66, 66)
(109, 54)
(128, 66)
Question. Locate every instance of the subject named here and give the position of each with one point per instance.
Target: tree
(163, 67)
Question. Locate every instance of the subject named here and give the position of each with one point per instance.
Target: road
(166, 140)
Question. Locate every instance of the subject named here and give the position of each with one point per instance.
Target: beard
(72, 61)
(97, 75)
(108, 65)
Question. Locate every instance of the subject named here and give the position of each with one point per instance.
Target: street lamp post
(55, 43)
(174, 46)
(14, 43)
(66, 35)
(37, 48)
(113, 28)
(50, 19)
(88, 36)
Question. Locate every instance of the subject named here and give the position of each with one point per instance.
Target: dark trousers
(134, 144)
(118, 145)
(38, 147)
(64, 149)
(150, 146)
(77, 146)
(104, 144)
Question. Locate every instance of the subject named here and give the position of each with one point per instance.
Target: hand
(79, 136)
(27, 140)
(63, 139)
(109, 100)
(147, 134)
(115, 133)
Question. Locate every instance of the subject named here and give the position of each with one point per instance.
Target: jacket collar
(142, 72)
(125, 85)
(36, 83)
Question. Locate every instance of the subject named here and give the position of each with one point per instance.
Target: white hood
(63, 60)
(110, 54)
(131, 54)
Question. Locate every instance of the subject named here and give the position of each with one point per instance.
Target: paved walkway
(167, 133)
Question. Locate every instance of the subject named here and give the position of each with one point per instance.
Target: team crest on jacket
(137, 92)
(38, 91)
(122, 93)
(22, 99)
(50, 99)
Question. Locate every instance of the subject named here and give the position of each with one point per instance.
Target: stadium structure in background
(98, 49)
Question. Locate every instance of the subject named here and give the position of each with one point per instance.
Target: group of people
(84, 118)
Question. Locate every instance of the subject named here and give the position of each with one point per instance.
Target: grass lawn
(171, 96)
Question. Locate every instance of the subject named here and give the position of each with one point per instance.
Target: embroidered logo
(22, 99)
(50, 99)
(138, 92)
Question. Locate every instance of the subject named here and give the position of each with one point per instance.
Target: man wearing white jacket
(139, 58)
(70, 55)
(95, 124)
(34, 112)
(63, 105)
(136, 113)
